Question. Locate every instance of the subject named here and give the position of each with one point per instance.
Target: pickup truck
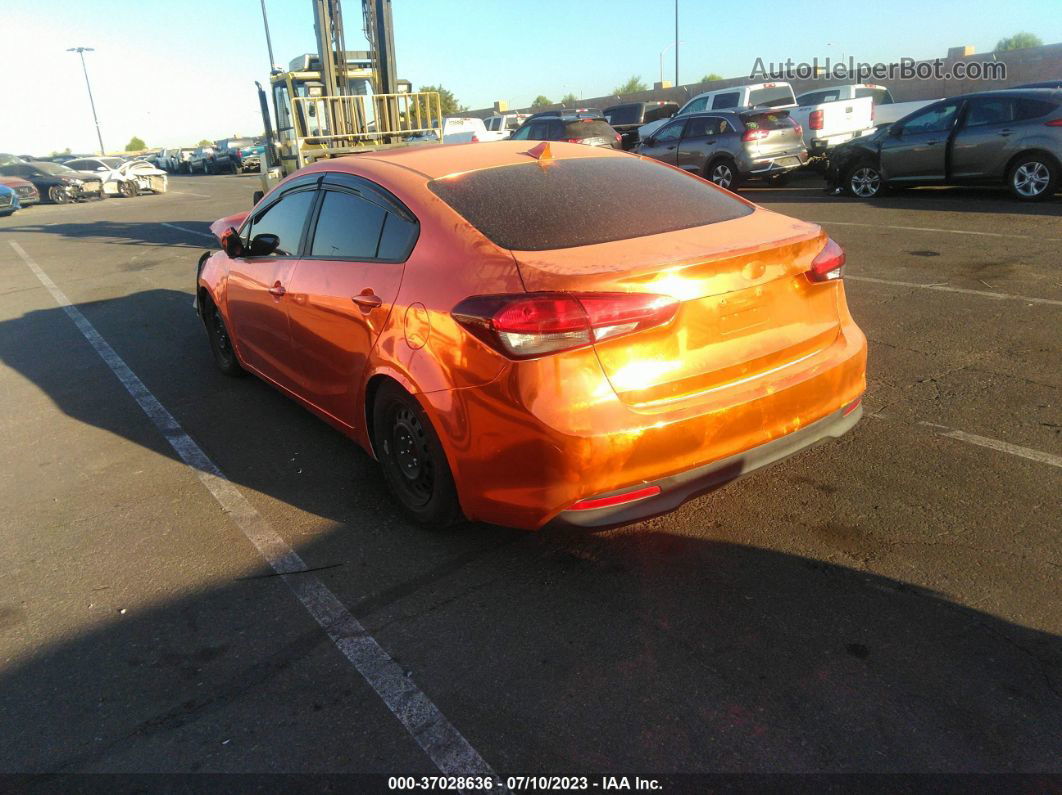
(457, 130)
(834, 115)
(502, 125)
(755, 95)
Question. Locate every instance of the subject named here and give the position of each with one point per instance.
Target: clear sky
(175, 72)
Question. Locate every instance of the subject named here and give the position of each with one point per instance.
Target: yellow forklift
(337, 102)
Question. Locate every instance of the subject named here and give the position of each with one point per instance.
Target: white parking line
(996, 444)
(188, 193)
(947, 289)
(931, 229)
(189, 231)
(443, 743)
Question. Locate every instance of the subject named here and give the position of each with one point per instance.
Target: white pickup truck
(457, 130)
(831, 116)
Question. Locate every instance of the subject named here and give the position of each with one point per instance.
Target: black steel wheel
(414, 463)
(220, 341)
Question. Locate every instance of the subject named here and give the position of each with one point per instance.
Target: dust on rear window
(580, 202)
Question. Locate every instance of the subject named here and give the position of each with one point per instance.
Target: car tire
(723, 172)
(57, 195)
(127, 189)
(220, 341)
(1033, 178)
(863, 180)
(413, 460)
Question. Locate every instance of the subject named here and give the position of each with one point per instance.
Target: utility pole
(676, 43)
(269, 41)
(81, 51)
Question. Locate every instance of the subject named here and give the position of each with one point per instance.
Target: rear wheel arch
(1043, 153)
(1050, 172)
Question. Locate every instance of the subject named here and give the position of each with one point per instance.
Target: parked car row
(78, 179)
(228, 155)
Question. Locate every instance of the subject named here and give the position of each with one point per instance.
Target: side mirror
(231, 243)
(895, 131)
(257, 197)
(264, 244)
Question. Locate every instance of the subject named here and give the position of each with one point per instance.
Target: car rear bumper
(549, 433)
(777, 164)
(678, 489)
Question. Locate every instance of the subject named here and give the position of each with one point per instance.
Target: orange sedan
(564, 334)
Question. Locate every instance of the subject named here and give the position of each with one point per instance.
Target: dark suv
(730, 147)
(1011, 137)
(627, 118)
(593, 131)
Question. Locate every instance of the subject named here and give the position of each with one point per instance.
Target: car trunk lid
(746, 308)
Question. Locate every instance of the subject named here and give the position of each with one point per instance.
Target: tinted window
(670, 132)
(818, 97)
(625, 114)
(583, 201)
(695, 105)
(285, 219)
(728, 100)
(555, 131)
(397, 239)
(348, 227)
(771, 97)
(990, 110)
(660, 112)
(937, 118)
(588, 129)
(767, 121)
(706, 125)
(522, 134)
(878, 96)
(1032, 108)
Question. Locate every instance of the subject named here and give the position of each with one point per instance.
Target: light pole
(668, 47)
(81, 51)
(676, 45)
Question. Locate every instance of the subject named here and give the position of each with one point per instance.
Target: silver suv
(1011, 137)
(730, 147)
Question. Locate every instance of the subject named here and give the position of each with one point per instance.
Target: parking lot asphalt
(886, 602)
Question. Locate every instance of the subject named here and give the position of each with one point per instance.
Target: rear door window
(990, 110)
(348, 227)
(583, 201)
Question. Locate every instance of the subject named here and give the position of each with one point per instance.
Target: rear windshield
(579, 202)
(771, 97)
(588, 128)
(767, 121)
(624, 114)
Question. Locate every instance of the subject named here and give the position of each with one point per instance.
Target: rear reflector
(852, 406)
(593, 503)
(815, 120)
(1054, 123)
(525, 325)
(829, 264)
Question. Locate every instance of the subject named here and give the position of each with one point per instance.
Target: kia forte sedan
(558, 334)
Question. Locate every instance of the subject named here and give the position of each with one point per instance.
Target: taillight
(815, 120)
(475, 138)
(526, 325)
(829, 264)
(1054, 123)
(754, 135)
(573, 140)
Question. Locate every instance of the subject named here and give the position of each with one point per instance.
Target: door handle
(277, 290)
(1005, 133)
(367, 300)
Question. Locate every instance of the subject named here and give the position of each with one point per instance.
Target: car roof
(432, 161)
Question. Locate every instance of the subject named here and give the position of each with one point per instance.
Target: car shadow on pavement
(136, 233)
(634, 649)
